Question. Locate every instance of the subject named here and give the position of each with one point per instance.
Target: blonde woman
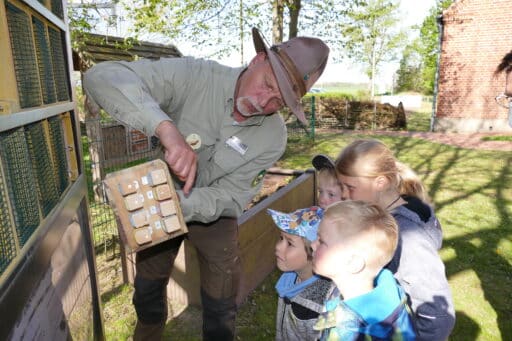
(370, 172)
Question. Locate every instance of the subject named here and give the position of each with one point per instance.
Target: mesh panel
(24, 57)
(7, 240)
(42, 165)
(58, 147)
(59, 64)
(20, 182)
(44, 61)
(57, 8)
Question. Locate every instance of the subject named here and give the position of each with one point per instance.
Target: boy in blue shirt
(355, 241)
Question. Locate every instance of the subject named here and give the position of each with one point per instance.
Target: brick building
(475, 36)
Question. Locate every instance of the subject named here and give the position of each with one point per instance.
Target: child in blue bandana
(301, 293)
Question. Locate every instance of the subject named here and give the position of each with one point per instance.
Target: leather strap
(297, 79)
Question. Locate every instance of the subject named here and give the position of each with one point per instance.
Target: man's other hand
(178, 154)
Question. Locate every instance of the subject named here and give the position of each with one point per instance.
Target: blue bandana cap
(303, 222)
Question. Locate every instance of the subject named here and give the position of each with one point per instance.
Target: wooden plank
(298, 193)
(258, 233)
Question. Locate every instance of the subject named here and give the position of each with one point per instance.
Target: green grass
(418, 121)
(119, 312)
(472, 193)
(346, 88)
(497, 138)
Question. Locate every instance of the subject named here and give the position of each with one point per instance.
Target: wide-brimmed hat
(321, 161)
(297, 65)
(303, 222)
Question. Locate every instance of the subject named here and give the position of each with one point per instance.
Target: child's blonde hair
(361, 223)
(372, 158)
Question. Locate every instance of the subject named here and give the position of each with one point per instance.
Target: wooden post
(93, 128)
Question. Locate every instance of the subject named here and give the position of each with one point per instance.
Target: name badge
(235, 143)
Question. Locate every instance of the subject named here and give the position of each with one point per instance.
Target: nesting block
(143, 236)
(171, 224)
(167, 208)
(134, 201)
(146, 205)
(157, 177)
(139, 218)
(128, 186)
(163, 192)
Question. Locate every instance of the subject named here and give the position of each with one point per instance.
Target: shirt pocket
(227, 158)
(215, 162)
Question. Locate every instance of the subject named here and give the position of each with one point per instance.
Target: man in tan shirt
(219, 131)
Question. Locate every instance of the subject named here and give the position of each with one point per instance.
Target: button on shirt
(197, 95)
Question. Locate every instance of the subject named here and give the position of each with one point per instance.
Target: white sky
(413, 12)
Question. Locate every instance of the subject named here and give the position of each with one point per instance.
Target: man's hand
(178, 154)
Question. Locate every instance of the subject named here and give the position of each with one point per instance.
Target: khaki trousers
(219, 267)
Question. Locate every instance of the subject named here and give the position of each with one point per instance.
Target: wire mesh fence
(295, 128)
(34, 173)
(39, 58)
(7, 237)
(44, 60)
(42, 165)
(109, 146)
(22, 186)
(25, 64)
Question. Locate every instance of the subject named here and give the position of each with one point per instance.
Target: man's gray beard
(242, 109)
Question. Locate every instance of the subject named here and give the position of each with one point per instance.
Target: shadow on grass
(465, 329)
(477, 251)
(187, 326)
(113, 293)
(491, 267)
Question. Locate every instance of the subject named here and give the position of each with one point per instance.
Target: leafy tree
(428, 45)
(368, 34)
(221, 25)
(409, 72)
(215, 25)
(294, 7)
(80, 20)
